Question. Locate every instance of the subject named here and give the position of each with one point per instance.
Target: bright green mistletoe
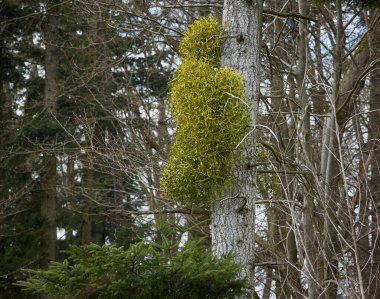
(210, 118)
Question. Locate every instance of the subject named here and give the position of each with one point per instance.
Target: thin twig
(288, 15)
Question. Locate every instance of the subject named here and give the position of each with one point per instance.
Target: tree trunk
(330, 171)
(233, 217)
(370, 253)
(48, 198)
(48, 174)
(372, 269)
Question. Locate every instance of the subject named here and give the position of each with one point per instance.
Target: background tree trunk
(49, 198)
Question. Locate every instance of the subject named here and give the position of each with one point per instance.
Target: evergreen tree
(20, 220)
(143, 271)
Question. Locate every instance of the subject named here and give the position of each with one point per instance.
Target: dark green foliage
(21, 224)
(143, 271)
(101, 70)
(43, 127)
(118, 228)
(366, 3)
(20, 241)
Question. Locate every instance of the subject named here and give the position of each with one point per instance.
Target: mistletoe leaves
(210, 119)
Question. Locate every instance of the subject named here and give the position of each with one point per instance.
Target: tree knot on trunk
(240, 38)
(243, 207)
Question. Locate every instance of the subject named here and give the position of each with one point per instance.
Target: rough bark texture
(233, 218)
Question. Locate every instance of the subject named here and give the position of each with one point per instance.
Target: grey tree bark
(233, 217)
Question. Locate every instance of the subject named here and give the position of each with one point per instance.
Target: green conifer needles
(210, 122)
(143, 271)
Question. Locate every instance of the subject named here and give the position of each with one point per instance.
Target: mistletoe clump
(210, 118)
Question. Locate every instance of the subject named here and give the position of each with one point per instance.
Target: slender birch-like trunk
(233, 217)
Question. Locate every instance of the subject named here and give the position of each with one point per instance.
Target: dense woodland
(91, 94)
